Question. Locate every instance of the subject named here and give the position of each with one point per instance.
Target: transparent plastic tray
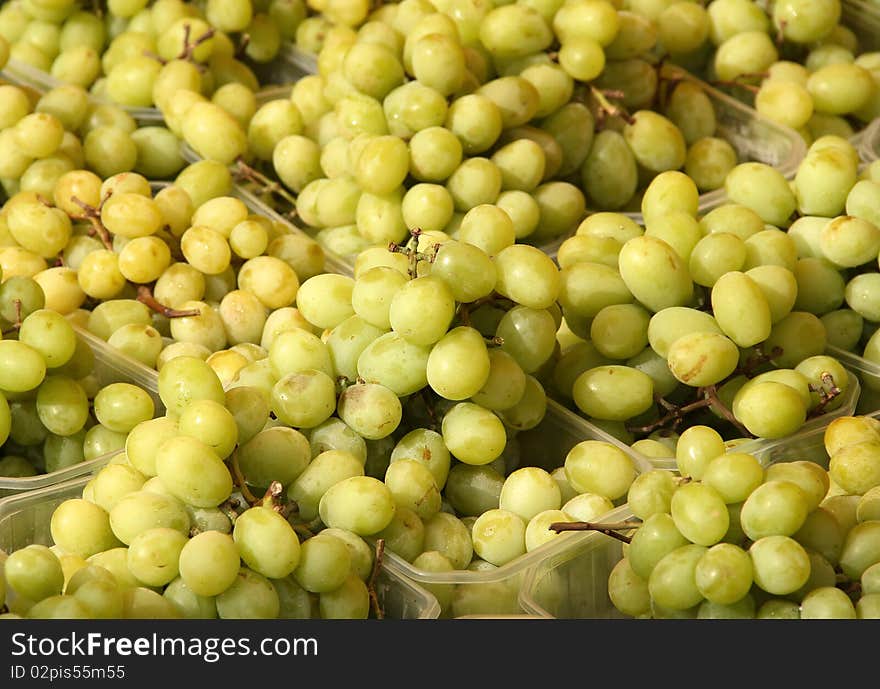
(301, 61)
(496, 592)
(110, 367)
(24, 520)
(278, 70)
(869, 150)
(42, 81)
(868, 373)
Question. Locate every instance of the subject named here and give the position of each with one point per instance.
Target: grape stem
(239, 481)
(266, 185)
(371, 584)
(411, 251)
(607, 108)
(93, 216)
(243, 43)
(16, 325)
(229, 508)
(608, 528)
(825, 397)
(749, 367)
(706, 397)
(735, 83)
(145, 296)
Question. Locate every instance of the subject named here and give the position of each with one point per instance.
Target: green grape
(193, 472)
(627, 591)
(699, 513)
(860, 549)
(82, 528)
(459, 364)
(775, 508)
(360, 504)
(770, 409)
(762, 189)
(669, 324)
(827, 602)
(598, 467)
(473, 434)
(499, 536)
(781, 565)
(740, 309)
(185, 379)
(209, 563)
(274, 454)
(702, 358)
(325, 470)
(520, 265)
(34, 572)
(324, 564)
(723, 574)
(656, 142)
(121, 406)
(113, 482)
(650, 493)
(779, 287)
(654, 273)
(395, 363)
(609, 173)
(613, 393)
(672, 582)
(267, 542)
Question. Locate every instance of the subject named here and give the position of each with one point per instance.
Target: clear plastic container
(869, 150)
(278, 75)
(24, 520)
(110, 367)
(868, 374)
(573, 581)
(495, 592)
(42, 81)
(299, 60)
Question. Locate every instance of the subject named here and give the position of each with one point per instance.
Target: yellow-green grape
(599, 468)
(650, 493)
(209, 563)
(764, 190)
(519, 265)
(422, 310)
(708, 161)
(654, 273)
(360, 504)
(702, 358)
(823, 181)
(672, 582)
(740, 309)
(609, 173)
(748, 52)
(786, 102)
(656, 537)
(193, 472)
(267, 542)
(714, 255)
(459, 365)
(499, 536)
(696, 448)
(855, 467)
(668, 324)
(770, 409)
(724, 574)
(656, 141)
(473, 434)
(613, 393)
(699, 513)
(825, 86)
(512, 31)
(781, 565)
(636, 35)
(849, 241)
(82, 528)
(668, 192)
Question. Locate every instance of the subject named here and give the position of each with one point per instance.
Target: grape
(702, 358)
(193, 472)
(781, 565)
(360, 504)
(324, 564)
(724, 574)
(699, 513)
(775, 508)
(598, 467)
(473, 434)
(650, 493)
(613, 393)
(153, 555)
(499, 536)
(34, 572)
(628, 591)
(672, 583)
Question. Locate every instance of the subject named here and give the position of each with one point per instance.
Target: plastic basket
(25, 519)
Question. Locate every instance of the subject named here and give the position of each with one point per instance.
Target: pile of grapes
(729, 539)
(517, 196)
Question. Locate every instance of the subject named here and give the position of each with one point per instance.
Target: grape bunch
(45, 135)
(134, 53)
(58, 407)
(728, 538)
(795, 62)
(387, 136)
(710, 315)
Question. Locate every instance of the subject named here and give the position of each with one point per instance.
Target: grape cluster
(729, 538)
(134, 55)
